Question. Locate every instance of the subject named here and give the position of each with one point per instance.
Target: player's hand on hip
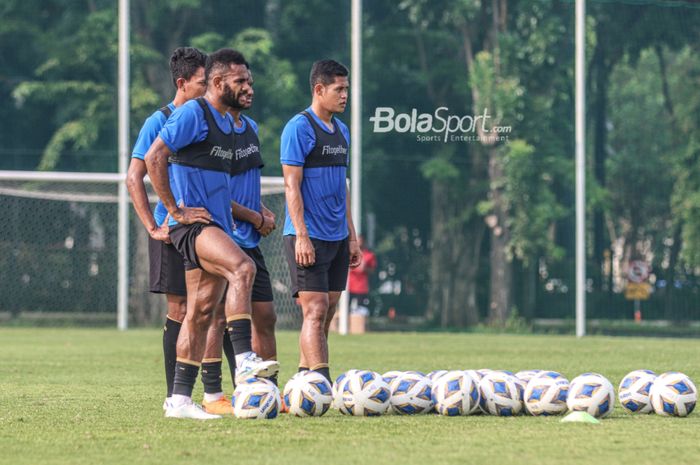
(355, 254)
(304, 251)
(162, 232)
(190, 215)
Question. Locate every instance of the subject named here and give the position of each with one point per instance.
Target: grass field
(94, 397)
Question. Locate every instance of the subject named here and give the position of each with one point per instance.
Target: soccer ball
(308, 394)
(500, 394)
(591, 393)
(390, 376)
(435, 375)
(546, 394)
(365, 393)
(337, 389)
(476, 375)
(526, 375)
(455, 393)
(411, 394)
(673, 394)
(634, 391)
(256, 398)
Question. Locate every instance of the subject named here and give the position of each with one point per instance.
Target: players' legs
(312, 339)
(177, 308)
(204, 291)
(264, 320)
(214, 400)
(333, 300)
(219, 255)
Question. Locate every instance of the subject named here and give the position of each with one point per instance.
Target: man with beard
(254, 220)
(319, 235)
(199, 142)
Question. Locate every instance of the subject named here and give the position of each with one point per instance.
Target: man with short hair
(319, 235)
(167, 269)
(199, 141)
(253, 219)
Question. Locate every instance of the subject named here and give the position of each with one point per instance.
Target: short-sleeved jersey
(323, 188)
(245, 182)
(201, 159)
(149, 131)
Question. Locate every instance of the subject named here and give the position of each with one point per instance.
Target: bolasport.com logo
(440, 126)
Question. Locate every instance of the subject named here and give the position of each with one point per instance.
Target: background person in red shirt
(358, 282)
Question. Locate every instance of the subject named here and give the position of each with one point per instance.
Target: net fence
(58, 256)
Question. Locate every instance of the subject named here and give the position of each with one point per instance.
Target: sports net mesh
(58, 256)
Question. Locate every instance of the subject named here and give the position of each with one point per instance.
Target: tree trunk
(439, 284)
(500, 299)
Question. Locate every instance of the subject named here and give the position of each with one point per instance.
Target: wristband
(262, 222)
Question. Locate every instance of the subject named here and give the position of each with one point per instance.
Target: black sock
(211, 377)
(185, 377)
(301, 368)
(325, 371)
(240, 333)
(171, 330)
(230, 357)
(273, 379)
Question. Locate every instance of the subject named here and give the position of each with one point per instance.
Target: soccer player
(167, 270)
(319, 235)
(254, 220)
(199, 142)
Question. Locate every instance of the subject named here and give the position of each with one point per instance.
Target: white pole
(123, 153)
(580, 168)
(356, 141)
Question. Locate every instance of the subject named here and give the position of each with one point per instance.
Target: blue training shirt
(245, 190)
(198, 187)
(149, 131)
(323, 189)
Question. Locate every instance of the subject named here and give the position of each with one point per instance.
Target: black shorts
(183, 237)
(328, 274)
(262, 286)
(167, 270)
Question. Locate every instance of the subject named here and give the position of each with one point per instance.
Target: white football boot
(189, 410)
(253, 366)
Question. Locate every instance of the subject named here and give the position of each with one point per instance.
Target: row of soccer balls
(452, 393)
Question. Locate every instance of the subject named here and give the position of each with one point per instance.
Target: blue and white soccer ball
(411, 394)
(455, 393)
(501, 394)
(390, 376)
(673, 394)
(337, 389)
(546, 394)
(256, 398)
(308, 394)
(526, 375)
(592, 393)
(634, 391)
(435, 375)
(364, 393)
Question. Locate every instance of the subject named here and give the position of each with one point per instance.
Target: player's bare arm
(262, 223)
(354, 246)
(304, 249)
(157, 166)
(139, 197)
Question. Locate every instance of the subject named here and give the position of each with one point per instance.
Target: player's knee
(265, 320)
(316, 312)
(243, 272)
(177, 307)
